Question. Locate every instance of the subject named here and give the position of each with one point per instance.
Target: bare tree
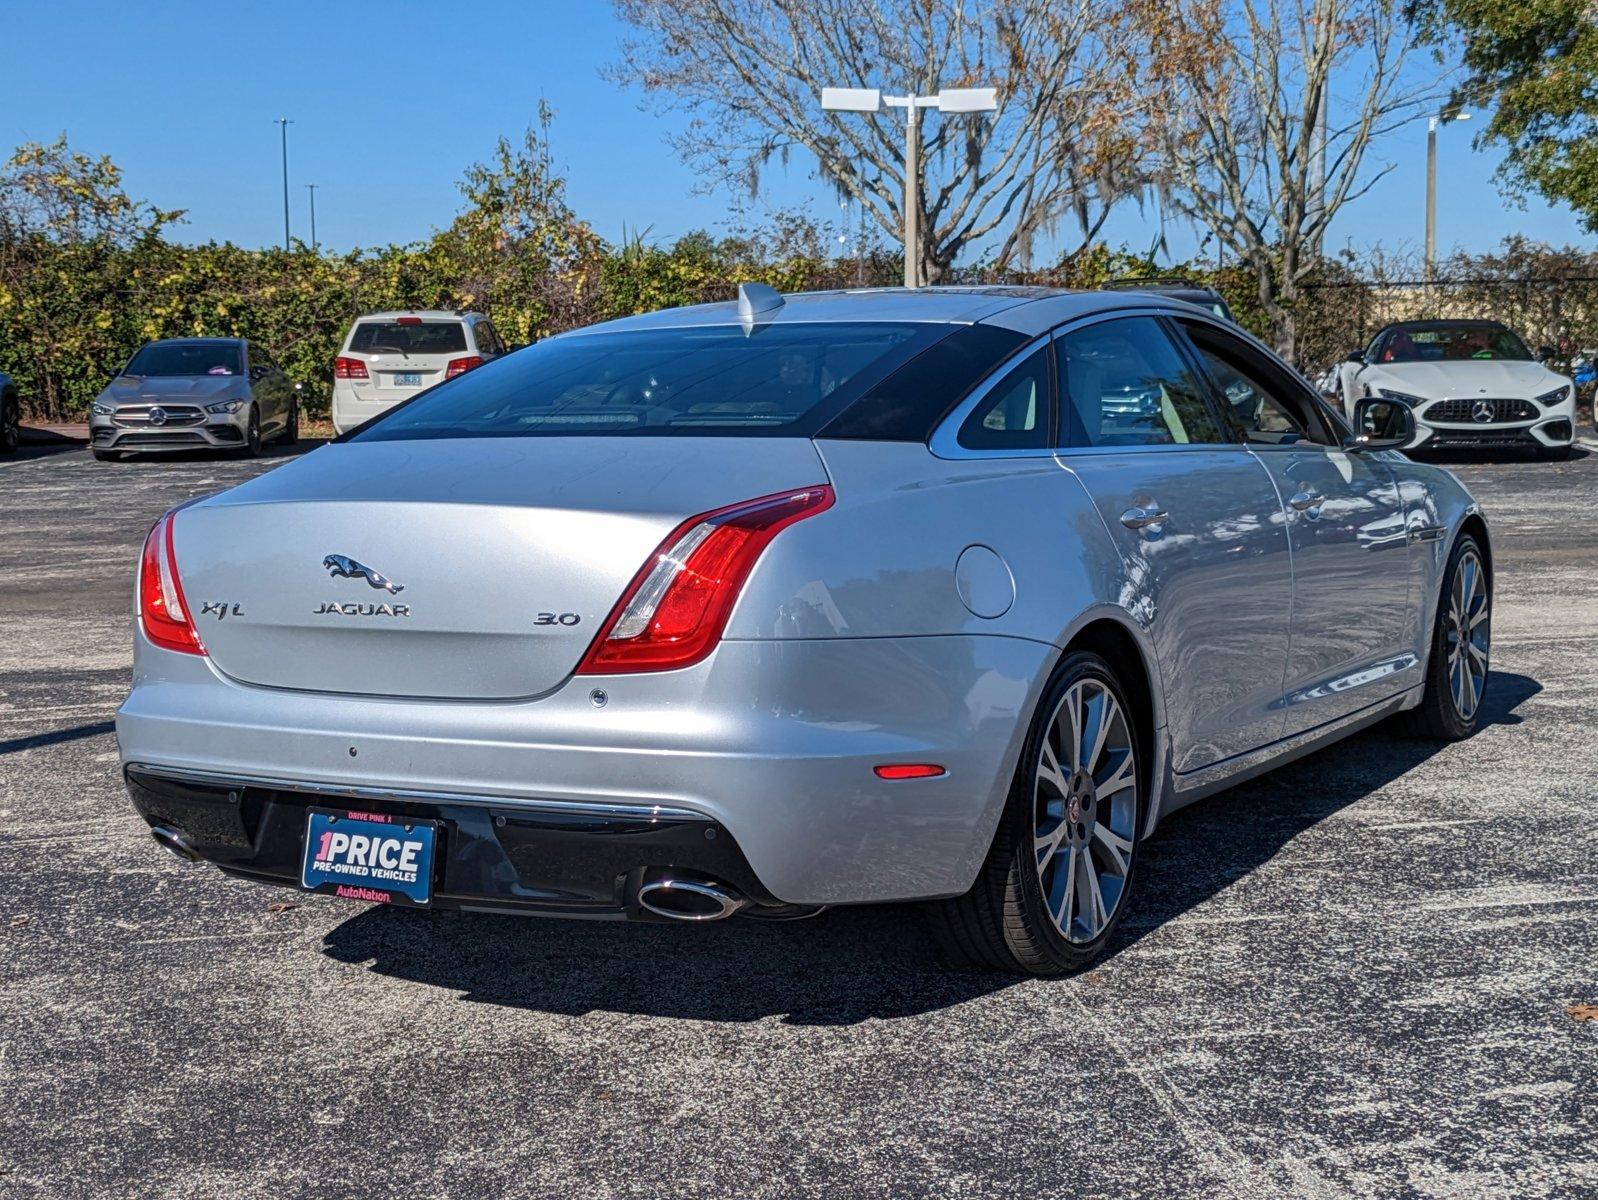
(1259, 145)
(750, 72)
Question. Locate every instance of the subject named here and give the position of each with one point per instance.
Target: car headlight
(1387, 393)
(1558, 396)
(101, 410)
(224, 406)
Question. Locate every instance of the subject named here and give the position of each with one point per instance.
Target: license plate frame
(380, 873)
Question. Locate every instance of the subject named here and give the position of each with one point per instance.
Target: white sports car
(1472, 385)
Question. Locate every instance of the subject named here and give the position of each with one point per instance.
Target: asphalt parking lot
(1350, 977)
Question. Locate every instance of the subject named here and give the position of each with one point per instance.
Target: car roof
(430, 314)
(196, 341)
(931, 305)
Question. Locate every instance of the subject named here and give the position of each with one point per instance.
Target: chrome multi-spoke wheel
(1085, 810)
(1467, 634)
(1055, 882)
(1457, 672)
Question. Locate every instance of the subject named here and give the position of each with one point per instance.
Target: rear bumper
(349, 410)
(773, 743)
(554, 859)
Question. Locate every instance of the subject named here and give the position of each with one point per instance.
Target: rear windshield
(408, 337)
(778, 380)
(1449, 343)
(186, 358)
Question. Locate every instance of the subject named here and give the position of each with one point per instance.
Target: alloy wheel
(1085, 810)
(1467, 634)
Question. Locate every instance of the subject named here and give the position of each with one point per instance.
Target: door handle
(1304, 501)
(1142, 518)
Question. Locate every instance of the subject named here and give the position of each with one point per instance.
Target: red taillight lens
(673, 612)
(349, 368)
(459, 366)
(909, 771)
(407, 320)
(162, 609)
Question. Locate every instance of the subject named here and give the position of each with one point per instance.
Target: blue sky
(391, 101)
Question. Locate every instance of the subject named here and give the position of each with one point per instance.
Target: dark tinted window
(1265, 402)
(1123, 383)
(488, 338)
(408, 336)
(909, 403)
(778, 380)
(1014, 414)
(187, 358)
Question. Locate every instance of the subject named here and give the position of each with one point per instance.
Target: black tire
(10, 423)
(291, 431)
(1441, 716)
(107, 455)
(253, 446)
(1004, 922)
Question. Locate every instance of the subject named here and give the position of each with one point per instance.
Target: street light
(950, 100)
(1432, 123)
(311, 187)
(285, 123)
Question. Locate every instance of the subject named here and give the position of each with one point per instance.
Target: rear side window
(1123, 383)
(487, 338)
(408, 337)
(777, 380)
(1014, 415)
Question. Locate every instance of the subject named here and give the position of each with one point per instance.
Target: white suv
(389, 357)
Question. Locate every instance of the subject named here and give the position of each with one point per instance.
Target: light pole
(950, 100)
(284, 122)
(1432, 123)
(311, 187)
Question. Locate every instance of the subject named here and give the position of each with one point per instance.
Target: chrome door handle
(1307, 500)
(1142, 518)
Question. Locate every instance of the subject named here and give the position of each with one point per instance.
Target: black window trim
(945, 439)
(1309, 398)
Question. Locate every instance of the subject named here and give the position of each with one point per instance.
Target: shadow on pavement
(57, 736)
(43, 443)
(855, 964)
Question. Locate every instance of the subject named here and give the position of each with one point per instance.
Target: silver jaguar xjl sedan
(759, 607)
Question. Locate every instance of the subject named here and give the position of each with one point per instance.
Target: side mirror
(1381, 424)
(1356, 356)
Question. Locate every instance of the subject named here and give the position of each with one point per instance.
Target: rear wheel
(1456, 676)
(1051, 892)
(291, 431)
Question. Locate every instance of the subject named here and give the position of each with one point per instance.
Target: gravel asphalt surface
(1349, 978)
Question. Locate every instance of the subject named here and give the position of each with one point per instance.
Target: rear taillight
(673, 613)
(162, 609)
(349, 368)
(459, 366)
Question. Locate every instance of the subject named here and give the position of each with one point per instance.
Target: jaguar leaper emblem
(339, 567)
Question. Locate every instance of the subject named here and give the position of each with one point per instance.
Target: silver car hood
(489, 563)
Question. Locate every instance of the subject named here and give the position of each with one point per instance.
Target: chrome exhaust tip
(680, 898)
(170, 839)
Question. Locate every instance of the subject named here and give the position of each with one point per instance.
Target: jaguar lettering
(363, 610)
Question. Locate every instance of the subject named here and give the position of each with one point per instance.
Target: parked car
(1472, 384)
(195, 394)
(1177, 288)
(10, 415)
(767, 606)
(390, 357)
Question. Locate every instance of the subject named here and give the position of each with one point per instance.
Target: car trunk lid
(473, 569)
